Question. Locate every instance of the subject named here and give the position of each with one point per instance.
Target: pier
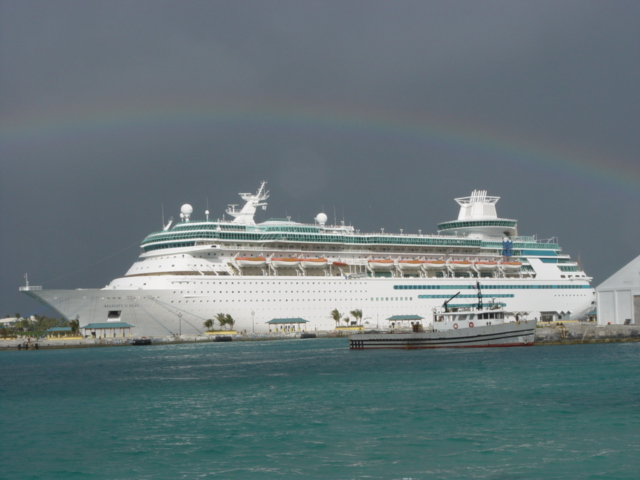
(557, 333)
(576, 333)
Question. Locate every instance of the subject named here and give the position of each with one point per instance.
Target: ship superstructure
(279, 269)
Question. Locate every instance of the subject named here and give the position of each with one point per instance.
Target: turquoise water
(314, 409)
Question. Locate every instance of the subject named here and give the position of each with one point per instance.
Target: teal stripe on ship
(476, 223)
(488, 287)
(496, 295)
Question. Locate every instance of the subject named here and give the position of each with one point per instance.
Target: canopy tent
(58, 332)
(401, 318)
(286, 324)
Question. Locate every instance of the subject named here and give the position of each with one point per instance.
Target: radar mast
(245, 215)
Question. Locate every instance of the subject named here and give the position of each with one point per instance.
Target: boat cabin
(470, 319)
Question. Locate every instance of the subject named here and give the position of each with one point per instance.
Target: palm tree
(230, 321)
(75, 326)
(336, 315)
(357, 314)
(208, 324)
(222, 319)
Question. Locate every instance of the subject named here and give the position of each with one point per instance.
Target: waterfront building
(618, 297)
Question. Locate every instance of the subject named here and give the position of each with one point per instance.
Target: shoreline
(62, 343)
(557, 334)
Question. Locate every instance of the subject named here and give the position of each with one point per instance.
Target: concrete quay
(552, 334)
(575, 333)
(57, 343)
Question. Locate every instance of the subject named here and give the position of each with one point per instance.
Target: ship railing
(30, 287)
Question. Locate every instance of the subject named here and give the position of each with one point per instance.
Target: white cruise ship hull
(183, 307)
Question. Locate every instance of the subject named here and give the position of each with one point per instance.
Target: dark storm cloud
(558, 74)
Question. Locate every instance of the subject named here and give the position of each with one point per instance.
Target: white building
(618, 296)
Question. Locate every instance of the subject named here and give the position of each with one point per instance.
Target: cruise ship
(286, 276)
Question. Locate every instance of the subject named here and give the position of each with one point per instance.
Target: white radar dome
(186, 209)
(321, 218)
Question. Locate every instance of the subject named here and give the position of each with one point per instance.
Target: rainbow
(79, 122)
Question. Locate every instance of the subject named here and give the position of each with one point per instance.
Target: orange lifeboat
(381, 264)
(313, 262)
(340, 264)
(245, 262)
(434, 264)
(486, 266)
(411, 264)
(460, 264)
(511, 266)
(285, 262)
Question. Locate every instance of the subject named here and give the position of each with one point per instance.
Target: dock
(577, 333)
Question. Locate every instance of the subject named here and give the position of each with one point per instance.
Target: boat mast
(479, 295)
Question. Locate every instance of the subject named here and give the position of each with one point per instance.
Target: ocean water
(314, 409)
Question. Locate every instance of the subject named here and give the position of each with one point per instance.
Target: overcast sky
(382, 112)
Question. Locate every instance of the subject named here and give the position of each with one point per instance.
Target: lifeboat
(486, 266)
(285, 262)
(511, 266)
(256, 262)
(381, 264)
(460, 265)
(340, 264)
(313, 262)
(411, 264)
(434, 264)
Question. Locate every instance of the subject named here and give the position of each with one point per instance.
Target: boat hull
(512, 334)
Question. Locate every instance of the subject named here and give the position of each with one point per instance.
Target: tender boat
(459, 328)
